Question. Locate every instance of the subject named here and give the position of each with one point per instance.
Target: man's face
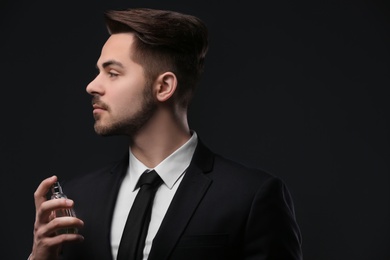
(122, 98)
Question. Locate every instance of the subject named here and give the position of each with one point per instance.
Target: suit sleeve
(272, 231)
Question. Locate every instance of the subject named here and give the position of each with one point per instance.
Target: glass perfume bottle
(57, 193)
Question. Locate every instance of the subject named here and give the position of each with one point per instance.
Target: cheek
(127, 94)
(127, 102)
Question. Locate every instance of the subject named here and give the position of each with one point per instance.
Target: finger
(57, 224)
(64, 225)
(43, 189)
(47, 207)
(60, 239)
(49, 246)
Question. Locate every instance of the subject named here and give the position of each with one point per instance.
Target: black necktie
(134, 234)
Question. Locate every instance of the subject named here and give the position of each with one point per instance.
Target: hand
(47, 244)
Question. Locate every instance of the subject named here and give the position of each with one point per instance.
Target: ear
(165, 86)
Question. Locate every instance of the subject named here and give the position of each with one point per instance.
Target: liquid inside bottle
(57, 193)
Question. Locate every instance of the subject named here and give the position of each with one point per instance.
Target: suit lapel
(95, 193)
(188, 196)
(111, 188)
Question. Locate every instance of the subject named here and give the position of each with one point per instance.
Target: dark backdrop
(299, 88)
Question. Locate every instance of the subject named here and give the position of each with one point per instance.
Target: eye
(112, 74)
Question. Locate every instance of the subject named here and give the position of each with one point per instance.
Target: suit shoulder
(230, 167)
(97, 174)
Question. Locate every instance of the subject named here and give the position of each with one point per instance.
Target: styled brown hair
(165, 41)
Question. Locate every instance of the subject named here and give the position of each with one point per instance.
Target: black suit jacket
(221, 210)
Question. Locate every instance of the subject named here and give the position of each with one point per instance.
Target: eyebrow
(111, 62)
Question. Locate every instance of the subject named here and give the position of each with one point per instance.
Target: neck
(161, 136)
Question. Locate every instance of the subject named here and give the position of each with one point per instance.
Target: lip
(97, 108)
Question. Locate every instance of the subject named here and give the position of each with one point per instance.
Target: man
(207, 207)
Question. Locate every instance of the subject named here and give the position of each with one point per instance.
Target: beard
(129, 125)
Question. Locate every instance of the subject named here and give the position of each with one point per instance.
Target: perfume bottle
(57, 193)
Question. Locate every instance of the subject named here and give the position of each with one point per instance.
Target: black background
(299, 88)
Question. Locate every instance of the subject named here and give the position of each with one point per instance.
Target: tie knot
(150, 178)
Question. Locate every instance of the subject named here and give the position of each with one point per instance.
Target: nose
(95, 87)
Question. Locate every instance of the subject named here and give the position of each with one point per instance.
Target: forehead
(117, 47)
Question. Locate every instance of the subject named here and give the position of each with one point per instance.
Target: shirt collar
(171, 168)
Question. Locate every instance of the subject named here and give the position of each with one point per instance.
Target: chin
(102, 130)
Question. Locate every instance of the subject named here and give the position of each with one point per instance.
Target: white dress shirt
(171, 170)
